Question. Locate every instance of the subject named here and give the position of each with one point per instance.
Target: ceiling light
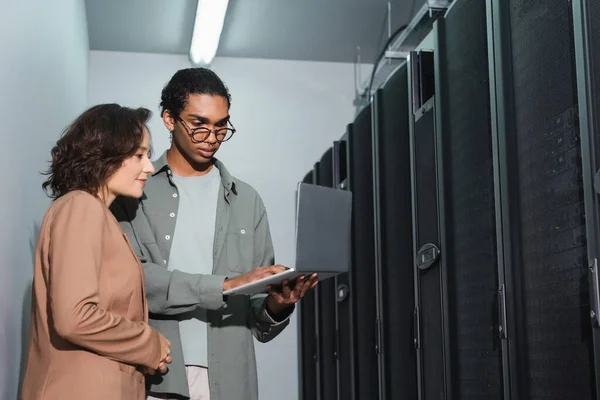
(208, 25)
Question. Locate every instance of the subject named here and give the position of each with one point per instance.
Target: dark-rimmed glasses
(202, 133)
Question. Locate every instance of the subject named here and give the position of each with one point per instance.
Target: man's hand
(251, 276)
(281, 298)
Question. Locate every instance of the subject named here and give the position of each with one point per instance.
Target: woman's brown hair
(93, 148)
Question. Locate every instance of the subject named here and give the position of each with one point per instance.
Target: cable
(382, 54)
(383, 25)
(387, 44)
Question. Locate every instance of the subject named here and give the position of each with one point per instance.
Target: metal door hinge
(502, 310)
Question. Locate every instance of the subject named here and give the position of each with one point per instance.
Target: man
(199, 231)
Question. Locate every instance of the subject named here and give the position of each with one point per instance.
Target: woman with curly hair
(89, 336)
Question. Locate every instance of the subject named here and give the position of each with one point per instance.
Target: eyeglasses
(202, 133)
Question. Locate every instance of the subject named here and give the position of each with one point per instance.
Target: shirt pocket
(239, 249)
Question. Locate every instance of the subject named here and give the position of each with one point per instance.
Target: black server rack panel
(360, 176)
(542, 204)
(469, 238)
(394, 247)
(593, 16)
(344, 315)
(326, 305)
(586, 25)
(318, 390)
(553, 266)
(430, 285)
(307, 338)
(428, 271)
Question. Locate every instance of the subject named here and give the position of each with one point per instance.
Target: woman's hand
(165, 351)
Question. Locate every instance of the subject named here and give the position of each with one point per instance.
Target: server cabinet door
(429, 268)
(541, 201)
(393, 239)
(326, 305)
(360, 176)
(586, 24)
(344, 316)
(307, 338)
(468, 231)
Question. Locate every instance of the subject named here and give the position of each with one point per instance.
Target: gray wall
(43, 86)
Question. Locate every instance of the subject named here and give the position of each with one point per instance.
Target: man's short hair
(191, 81)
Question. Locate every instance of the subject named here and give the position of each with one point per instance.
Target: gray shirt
(193, 242)
(242, 242)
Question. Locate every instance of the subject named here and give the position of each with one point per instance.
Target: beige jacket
(89, 331)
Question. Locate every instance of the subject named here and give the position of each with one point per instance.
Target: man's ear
(168, 120)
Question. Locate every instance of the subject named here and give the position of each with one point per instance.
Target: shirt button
(172, 215)
(174, 194)
(243, 231)
(168, 237)
(164, 261)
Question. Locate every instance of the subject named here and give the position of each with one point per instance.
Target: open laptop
(323, 225)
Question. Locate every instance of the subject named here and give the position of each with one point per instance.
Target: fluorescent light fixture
(210, 16)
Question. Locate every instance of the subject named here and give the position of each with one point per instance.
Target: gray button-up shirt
(242, 242)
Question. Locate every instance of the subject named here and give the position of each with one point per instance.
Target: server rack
(326, 305)
(586, 24)
(345, 327)
(541, 224)
(466, 200)
(430, 271)
(360, 175)
(307, 338)
(318, 390)
(393, 239)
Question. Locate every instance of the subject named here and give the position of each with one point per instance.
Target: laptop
(323, 226)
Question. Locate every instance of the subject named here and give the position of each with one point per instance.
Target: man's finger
(300, 284)
(306, 287)
(274, 292)
(286, 289)
(278, 298)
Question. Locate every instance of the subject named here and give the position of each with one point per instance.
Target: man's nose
(212, 137)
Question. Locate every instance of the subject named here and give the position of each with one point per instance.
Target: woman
(89, 337)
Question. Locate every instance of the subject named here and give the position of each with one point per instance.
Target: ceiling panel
(147, 26)
(314, 30)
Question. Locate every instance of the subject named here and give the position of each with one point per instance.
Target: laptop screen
(323, 227)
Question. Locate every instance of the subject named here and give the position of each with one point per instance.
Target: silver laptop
(323, 226)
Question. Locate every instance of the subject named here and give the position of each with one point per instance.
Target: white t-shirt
(192, 252)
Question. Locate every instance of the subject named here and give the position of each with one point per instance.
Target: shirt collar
(162, 165)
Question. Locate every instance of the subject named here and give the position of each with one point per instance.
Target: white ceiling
(314, 30)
